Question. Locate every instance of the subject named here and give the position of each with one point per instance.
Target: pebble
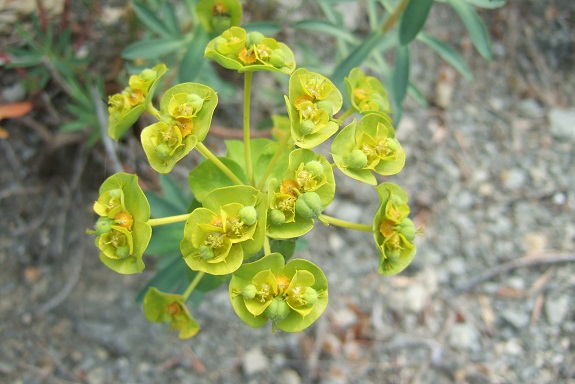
(556, 309)
(255, 361)
(515, 317)
(562, 123)
(464, 336)
(288, 376)
(513, 178)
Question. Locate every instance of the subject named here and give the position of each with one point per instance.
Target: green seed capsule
(254, 38)
(195, 101)
(277, 310)
(309, 205)
(276, 217)
(206, 252)
(357, 159)
(148, 74)
(123, 252)
(163, 150)
(103, 225)
(277, 58)
(310, 296)
(307, 127)
(407, 229)
(248, 215)
(249, 292)
(314, 167)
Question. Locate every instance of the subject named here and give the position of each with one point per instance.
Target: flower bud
(206, 252)
(277, 58)
(407, 229)
(249, 292)
(248, 215)
(309, 205)
(357, 159)
(314, 167)
(307, 127)
(103, 225)
(148, 74)
(276, 217)
(277, 310)
(254, 38)
(310, 296)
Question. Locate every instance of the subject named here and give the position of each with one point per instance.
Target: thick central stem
(247, 145)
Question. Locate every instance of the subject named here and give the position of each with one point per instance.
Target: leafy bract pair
(122, 232)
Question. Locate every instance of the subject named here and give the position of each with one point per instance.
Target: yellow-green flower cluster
(160, 307)
(366, 93)
(216, 16)
(292, 296)
(125, 107)
(247, 52)
(122, 232)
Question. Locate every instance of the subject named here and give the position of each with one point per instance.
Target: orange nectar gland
(220, 9)
(248, 56)
(289, 187)
(283, 283)
(186, 126)
(124, 219)
(173, 309)
(360, 93)
(216, 221)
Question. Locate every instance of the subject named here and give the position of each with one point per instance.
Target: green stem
(153, 111)
(193, 285)
(168, 220)
(345, 224)
(247, 145)
(267, 246)
(345, 115)
(392, 19)
(272, 163)
(204, 151)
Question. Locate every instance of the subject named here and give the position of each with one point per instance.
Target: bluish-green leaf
(475, 27)
(356, 57)
(268, 28)
(150, 49)
(325, 27)
(170, 21)
(173, 193)
(413, 19)
(417, 95)
(400, 78)
(150, 20)
(488, 4)
(207, 176)
(193, 61)
(448, 54)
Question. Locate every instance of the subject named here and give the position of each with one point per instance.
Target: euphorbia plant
(262, 194)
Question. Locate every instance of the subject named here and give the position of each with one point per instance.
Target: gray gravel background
(490, 174)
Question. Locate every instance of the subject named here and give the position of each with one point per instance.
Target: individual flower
(248, 52)
(122, 232)
(186, 114)
(125, 107)
(366, 93)
(312, 102)
(160, 307)
(368, 146)
(292, 296)
(307, 187)
(216, 16)
(393, 231)
(230, 225)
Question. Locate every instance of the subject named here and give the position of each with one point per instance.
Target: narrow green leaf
(417, 95)
(324, 27)
(448, 54)
(356, 57)
(475, 27)
(150, 20)
(268, 28)
(170, 21)
(193, 61)
(413, 19)
(400, 74)
(149, 49)
(488, 4)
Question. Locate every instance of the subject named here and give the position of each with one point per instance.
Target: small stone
(516, 318)
(344, 317)
(255, 361)
(556, 309)
(531, 108)
(513, 347)
(464, 336)
(513, 178)
(535, 241)
(562, 123)
(288, 376)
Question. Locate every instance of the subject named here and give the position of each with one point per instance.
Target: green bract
(366, 147)
(217, 236)
(186, 115)
(160, 307)
(127, 106)
(309, 178)
(215, 16)
(312, 102)
(366, 93)
(393, 231)
(122, 232)
(292, 296)
(248, 52)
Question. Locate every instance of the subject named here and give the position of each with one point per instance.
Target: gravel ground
(488, 298)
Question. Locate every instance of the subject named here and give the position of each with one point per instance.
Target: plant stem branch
(267, 246)
(272, 163)
(345, 115)
(168, 220)
(392, 19)
(153, 111)
(193, 285)
(345, 224)
(204, 151)
(247, 144)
